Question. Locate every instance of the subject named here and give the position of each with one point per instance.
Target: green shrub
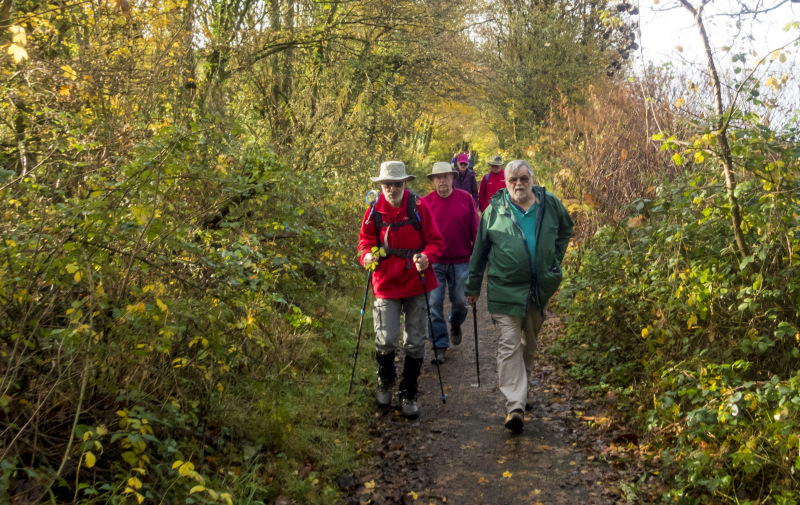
(170, 328)
(663, 310)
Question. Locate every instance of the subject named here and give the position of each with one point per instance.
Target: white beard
(521, 195)
(394, 202)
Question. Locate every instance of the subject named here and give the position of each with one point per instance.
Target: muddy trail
(571, 450)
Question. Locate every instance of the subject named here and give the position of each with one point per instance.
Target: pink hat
(462, 158)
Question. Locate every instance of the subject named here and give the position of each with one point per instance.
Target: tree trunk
(189, 67)
(428, 136)
(286, 81)
(5, 14)
(280, 18)
(727, 158)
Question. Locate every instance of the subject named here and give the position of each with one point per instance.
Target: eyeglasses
(392, 184)
(524, 179)
(463, 164)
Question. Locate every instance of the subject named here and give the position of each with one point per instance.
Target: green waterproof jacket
(500, 244)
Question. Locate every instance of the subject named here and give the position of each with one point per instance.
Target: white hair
(514, 166)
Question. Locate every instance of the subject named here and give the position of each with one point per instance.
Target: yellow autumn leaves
(73, 268)
(484, 480)
(214, 495)
(185, 469)
(133, 486)
(89, 459)
(18, 40)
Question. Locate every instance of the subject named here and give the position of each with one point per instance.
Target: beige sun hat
(496, 160)
(393, 171)
(440, 167)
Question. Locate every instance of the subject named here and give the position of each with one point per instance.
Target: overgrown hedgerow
(173, 328)
(700, 343)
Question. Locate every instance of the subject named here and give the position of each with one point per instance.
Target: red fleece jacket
(393, 279)
(489, 186)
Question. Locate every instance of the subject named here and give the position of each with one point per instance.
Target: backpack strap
(411, 209)
(372, 199)
(412, 219)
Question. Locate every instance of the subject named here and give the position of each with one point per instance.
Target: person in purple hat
(465, 178)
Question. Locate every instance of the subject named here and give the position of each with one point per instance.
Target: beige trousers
(515, 352)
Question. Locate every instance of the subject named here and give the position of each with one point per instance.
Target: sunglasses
(392, 184)
(524, 179)
(463, 164)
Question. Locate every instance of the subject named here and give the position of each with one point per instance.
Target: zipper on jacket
(538, 235)
(531, 287)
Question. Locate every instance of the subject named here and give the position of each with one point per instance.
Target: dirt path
(460, 452)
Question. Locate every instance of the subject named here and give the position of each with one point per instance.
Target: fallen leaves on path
(575, 445)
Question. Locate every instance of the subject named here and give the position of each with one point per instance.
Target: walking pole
(360, 324)
(372, 197)
(475, 323)
(433, 342)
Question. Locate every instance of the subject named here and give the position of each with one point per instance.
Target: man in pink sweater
(457, 219)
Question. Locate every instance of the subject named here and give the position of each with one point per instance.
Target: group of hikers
(415, 246)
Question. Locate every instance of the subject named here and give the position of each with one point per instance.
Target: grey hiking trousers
(386, 320)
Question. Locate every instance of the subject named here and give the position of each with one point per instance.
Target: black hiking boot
(408, 387)
(386, 376)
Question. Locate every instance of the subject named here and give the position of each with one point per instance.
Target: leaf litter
(574, 448)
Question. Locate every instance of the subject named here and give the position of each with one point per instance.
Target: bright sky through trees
(669, 32)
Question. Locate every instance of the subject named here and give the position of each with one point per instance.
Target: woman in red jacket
(409, 237)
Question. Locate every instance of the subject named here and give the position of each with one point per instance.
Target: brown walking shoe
(438, 356)
(455, 334)
(514, 421)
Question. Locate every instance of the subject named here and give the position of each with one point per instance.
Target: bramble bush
(180, 197)
(704, 342)
(160, 322)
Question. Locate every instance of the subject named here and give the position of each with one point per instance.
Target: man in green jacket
(523, 236)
